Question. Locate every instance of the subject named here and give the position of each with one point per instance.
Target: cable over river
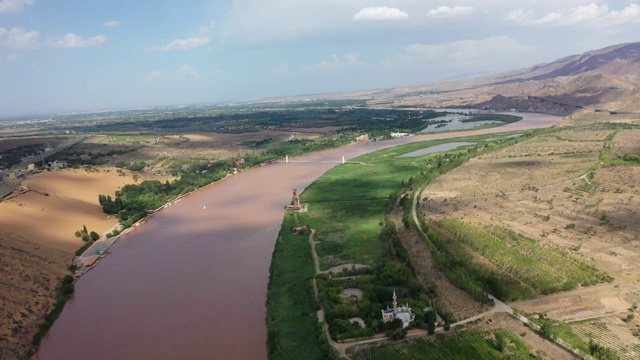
(191, 282)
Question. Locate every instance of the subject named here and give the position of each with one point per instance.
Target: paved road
(38, 158)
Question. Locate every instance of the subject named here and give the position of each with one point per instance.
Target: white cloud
(549, 18)
(112, 23)
(14, 6)
(182, 44)
(479, 55)
(335, 64)
(280, 70)
(380, 13)
(445, 11)
(71, 40)
(586, 13)
(187, 72)
(154, 75)
(591, 15)
(629, 14)
(519, 16)
(204, 30)
(10, 57)
(19, 39)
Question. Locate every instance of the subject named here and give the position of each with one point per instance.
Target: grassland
(293, 331)
(347, 207)
(349, 202)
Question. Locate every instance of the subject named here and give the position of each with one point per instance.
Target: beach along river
(191, 282)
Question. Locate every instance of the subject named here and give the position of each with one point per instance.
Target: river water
(191, 282)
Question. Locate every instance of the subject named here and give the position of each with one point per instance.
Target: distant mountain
(617, 60)
(606, 79)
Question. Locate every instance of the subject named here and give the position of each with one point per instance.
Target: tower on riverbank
(295, 202)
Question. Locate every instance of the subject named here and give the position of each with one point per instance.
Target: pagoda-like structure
(295, 202)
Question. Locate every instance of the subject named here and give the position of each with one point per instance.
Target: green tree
(500, 342)
(547, 330)
(430, 319)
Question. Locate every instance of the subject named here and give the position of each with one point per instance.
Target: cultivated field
(559, 191)
(626, 142)
(463, 345)
(187, 146)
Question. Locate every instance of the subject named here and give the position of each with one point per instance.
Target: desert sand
(37, 243)
(72, 202)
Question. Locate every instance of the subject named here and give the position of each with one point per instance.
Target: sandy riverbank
(72, 202)
(37, 243)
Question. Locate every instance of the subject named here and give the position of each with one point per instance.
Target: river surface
(191, 282)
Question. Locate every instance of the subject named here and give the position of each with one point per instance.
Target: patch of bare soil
(29, 276)
(452, 300)
(340, 268)
(626, 142)
(541, 347)
(583, 304)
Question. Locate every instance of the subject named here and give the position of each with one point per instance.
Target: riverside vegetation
(196, 145)
(134, 201)
(348, 207)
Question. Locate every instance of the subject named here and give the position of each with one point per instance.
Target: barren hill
(607, 80)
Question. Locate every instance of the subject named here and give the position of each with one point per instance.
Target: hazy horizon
(82, 57)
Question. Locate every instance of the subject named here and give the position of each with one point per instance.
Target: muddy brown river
(191, 282)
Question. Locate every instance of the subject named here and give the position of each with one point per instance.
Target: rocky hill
(606, 79)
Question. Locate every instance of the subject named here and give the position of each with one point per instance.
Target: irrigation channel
(191, 282)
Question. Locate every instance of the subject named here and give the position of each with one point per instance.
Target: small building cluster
(398, 134)
(402, 313)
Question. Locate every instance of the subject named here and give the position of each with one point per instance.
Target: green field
(463, 345)
(293, 331)
(348, 203)
(523, 267)
(347, 207)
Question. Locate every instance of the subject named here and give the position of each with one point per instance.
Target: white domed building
(403, 313)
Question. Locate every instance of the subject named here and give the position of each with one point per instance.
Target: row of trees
(134, 201)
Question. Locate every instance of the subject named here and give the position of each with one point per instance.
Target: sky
(90, 55)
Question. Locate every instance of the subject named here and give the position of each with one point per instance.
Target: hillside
(607, 80)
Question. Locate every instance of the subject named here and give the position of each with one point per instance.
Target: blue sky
(84, 55)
